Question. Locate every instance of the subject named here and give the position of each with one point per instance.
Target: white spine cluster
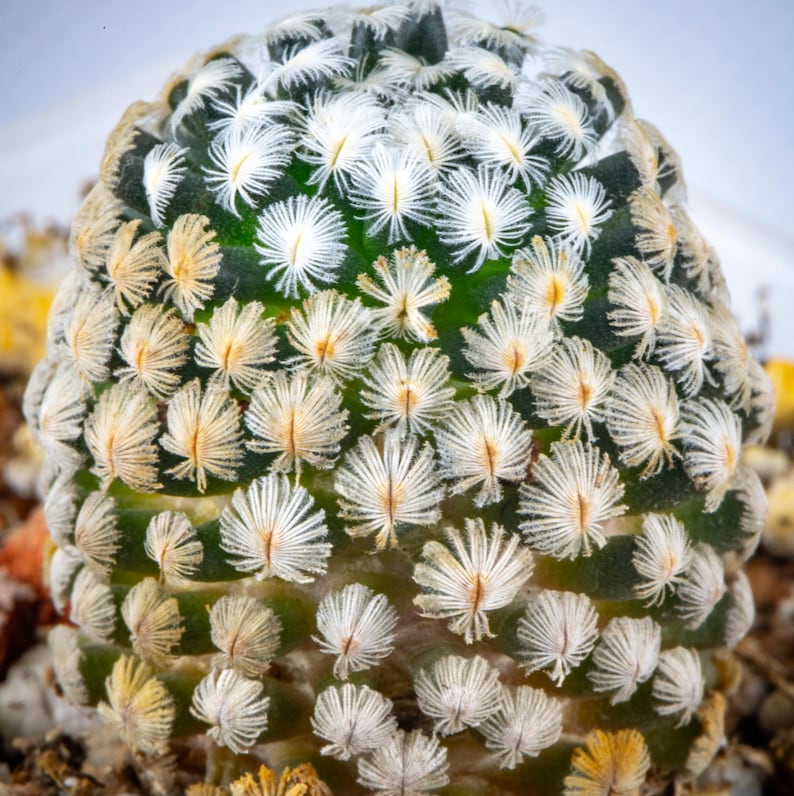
(357, 626)
(458, 693)
(557, 632)
(470, 576)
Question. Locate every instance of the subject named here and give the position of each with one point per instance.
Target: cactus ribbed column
(393, 417)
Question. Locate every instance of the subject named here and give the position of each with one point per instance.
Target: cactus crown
(393, 416)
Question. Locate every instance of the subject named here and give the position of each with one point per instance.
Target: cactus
(393, 415)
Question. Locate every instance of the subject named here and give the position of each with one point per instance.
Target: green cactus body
(393, 417)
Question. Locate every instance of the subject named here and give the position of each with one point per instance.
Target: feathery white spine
(425, 132)
(572, 494)
(458, 693)
(245, 162)
(299, 418)
(576, 207)
(268, 530)
(483, 68)
(66, 660)
(94, 227)
(60, 512)
(762, 404)
(470, 576)
(133, 268)
(580, 70)
(39, 384)
(527, 722)
(549, 279)
(332, 335)
(661, 555)
(246, 632)
(58, 419)
(703, 585)
(372, 83)
(642, 152)
(408, 764)
(63, 565)
(90, 334)
(357, 626)
(120, 435)
(252, 109)
(204, 430)
(482, 442)
(308, 64)
(557, 632)
(154, 621)
(402, 70)
(625, 657)
(384, 484)
(480, 213)
(454, 108)
(684, 340)
(379, 20)
(560, 115)
(657, 239)
(307, 25)
(193, 262)
(392, 187)
(731, 357)
(172, 542)
(300, 239)
(571, 386)
(214, 78)
(640, 302)
(355, 719)
(139, 706)
(92, 607)
(233, 706)
(513, 341)
(642, 417)
(408, 395)
(497, 138)
(96, 534)
(71, 287)
(678, 684)
(712, 439)
(237, 343)
(749, 491)
(163, 170)
(741, 614)
(406, 289)
(517, 20)
(339, 134)
(124, 137)
(154, 345)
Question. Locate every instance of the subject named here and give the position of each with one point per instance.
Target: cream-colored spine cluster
(394, 409)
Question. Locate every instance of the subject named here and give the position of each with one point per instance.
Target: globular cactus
(393, 417)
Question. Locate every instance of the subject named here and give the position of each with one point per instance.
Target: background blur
(716, 77)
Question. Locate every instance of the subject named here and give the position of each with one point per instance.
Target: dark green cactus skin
(240, 402)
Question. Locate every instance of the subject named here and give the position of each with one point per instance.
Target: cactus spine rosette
(393, 417)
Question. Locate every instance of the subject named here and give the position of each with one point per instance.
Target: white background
(716, 77)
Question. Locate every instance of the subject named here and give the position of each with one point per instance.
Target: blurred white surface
(716, 77)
